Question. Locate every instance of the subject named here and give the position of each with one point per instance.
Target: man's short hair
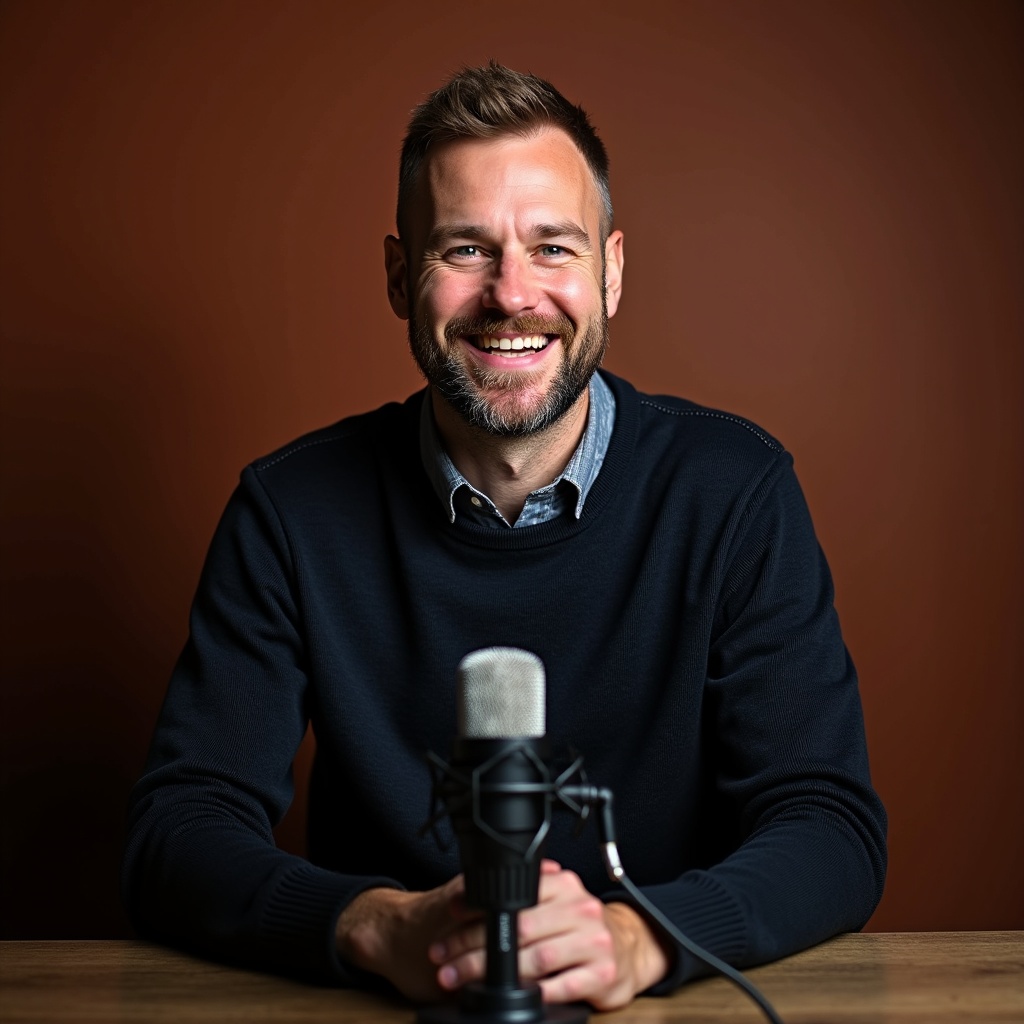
(488, 102)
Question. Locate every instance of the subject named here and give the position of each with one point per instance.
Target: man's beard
(465, 389)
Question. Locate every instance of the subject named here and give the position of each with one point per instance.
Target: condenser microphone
(497, 790)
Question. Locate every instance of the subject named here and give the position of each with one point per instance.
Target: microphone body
(497, 792)
(497, 828)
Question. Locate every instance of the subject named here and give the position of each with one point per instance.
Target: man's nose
(513, 287)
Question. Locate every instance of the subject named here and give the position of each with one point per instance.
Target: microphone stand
(498, 794)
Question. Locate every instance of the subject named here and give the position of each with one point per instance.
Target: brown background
(824, 220)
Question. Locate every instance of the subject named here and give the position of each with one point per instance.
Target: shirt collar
(581, 470)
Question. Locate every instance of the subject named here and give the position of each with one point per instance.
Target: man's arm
(200, 866)
(790, 756)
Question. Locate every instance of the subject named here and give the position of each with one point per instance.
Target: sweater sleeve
(791, 772)
(200, 867)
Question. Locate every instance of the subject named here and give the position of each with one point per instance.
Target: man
(656, 555)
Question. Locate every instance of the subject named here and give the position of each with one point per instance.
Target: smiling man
(657, 555)
(507, 274)
(504, 271)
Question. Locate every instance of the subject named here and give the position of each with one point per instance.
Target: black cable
(602, 796)
(693, 949)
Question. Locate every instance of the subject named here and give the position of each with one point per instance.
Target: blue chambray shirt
(568, 491)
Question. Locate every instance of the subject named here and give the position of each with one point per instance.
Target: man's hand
(575, 946)
(388, 931)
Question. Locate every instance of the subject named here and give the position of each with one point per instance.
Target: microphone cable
(602, 797)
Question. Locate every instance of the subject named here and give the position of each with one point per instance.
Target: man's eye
(553, 251)
(465, 252)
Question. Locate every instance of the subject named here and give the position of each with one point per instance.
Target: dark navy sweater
(693, 657)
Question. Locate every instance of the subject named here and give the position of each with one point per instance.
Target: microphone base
(449, 1014)
(481, 1005)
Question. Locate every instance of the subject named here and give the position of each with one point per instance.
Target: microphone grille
(501, 694)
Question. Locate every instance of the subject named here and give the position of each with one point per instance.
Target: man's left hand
(576, 947)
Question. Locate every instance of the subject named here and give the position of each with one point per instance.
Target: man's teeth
(531, 341)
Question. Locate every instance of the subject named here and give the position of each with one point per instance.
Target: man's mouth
(521, 344)
(520, 337)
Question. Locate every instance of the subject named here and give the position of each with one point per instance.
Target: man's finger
(565, 950)
(460, 940)
(468, 967)
(593, 983)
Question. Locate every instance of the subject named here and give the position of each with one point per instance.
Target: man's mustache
(528, 323)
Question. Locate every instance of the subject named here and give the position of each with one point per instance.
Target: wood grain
(908, 978)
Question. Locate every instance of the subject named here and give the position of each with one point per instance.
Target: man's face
(503, 278)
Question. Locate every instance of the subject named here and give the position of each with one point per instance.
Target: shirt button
(476, 501)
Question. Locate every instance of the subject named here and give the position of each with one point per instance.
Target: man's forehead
(541, 168)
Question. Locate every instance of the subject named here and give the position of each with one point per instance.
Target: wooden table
(924, 978)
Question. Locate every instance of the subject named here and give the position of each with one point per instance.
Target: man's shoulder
(687, 425)
(708, 422)
(351, 440)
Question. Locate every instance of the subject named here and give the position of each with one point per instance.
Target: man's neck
(509, 469)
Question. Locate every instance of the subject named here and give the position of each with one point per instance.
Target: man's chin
(503, 414)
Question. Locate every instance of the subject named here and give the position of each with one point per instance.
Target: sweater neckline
(616, 460)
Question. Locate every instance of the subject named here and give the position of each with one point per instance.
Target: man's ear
(398, 276)
(614, 259)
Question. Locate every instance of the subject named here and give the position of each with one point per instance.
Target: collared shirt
(568, 491)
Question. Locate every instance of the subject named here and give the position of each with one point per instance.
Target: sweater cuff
(301, 916)
(705, 912)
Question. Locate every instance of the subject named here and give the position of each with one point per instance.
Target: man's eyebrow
(446, 232)
(567, 229)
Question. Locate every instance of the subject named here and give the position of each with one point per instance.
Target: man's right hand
(388, 931)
